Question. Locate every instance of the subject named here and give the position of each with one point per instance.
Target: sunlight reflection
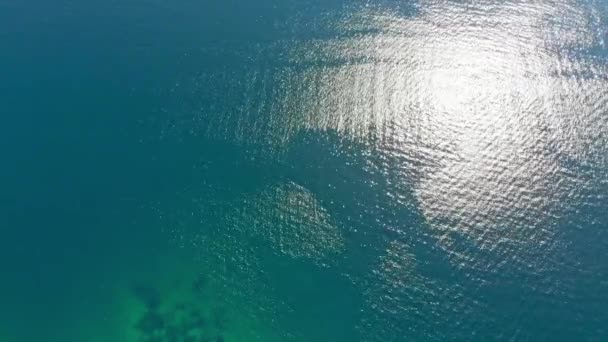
(476, 101)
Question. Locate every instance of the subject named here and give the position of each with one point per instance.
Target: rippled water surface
(303, 170)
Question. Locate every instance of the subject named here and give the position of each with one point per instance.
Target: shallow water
(303, 171)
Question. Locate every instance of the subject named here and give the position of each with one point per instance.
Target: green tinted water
(303, 171)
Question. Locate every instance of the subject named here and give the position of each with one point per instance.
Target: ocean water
(311, 170)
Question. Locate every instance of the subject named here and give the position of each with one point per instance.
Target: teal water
(303, 171)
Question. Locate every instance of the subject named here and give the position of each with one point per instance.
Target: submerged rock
(151, 322)
(199, 284)
(148, 295)
(220, 319)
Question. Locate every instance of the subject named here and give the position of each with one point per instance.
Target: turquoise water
(303, 171)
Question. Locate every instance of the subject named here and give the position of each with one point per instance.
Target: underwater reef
(178, 322)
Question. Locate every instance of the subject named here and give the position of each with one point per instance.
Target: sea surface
(303, 170)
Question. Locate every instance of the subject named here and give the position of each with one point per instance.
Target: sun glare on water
(473, 93)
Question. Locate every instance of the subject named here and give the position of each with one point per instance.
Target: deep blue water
(303, 171)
